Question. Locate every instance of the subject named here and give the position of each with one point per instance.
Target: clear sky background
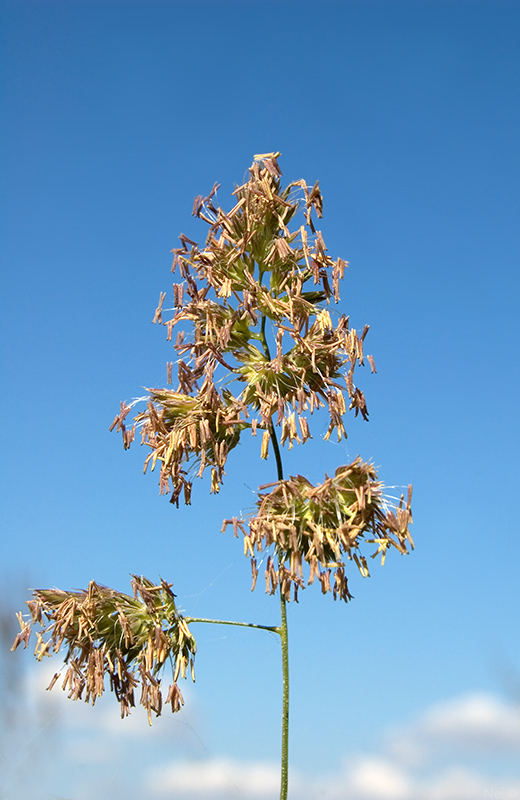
(115, 115)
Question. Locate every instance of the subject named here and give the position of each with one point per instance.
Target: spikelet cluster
(318, 527)
(108, 633)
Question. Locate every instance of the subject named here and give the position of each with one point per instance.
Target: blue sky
(116, 114)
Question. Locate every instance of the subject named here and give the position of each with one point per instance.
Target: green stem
(272, 628)
(276, 446)
(263, 338)
(276, 449)
(284, 639)
(285, 704)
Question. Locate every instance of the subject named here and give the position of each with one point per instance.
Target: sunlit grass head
(128, 639)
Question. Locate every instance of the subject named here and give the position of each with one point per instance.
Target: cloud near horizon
(447, 753)
(467, 748)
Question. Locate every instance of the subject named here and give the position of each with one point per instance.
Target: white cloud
(379, 778)
(459, 783)
(478, 724)
(217, 777)
(366, 778)
(479, 721)
(427, 760)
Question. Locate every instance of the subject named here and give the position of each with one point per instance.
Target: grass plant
(256, 353)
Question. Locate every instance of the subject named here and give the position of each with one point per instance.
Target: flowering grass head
(129, 639)
(256, 347)
(320, 526)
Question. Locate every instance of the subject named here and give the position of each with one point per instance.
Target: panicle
(319, 526)
(127, 639)
(256, 345)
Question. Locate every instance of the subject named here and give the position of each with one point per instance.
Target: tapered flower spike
(108, 633)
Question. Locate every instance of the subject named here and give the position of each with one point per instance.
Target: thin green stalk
(285, 704)
(284, 638)
(276, 446)
(272, 628)
(276, 449)
(283, 631)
